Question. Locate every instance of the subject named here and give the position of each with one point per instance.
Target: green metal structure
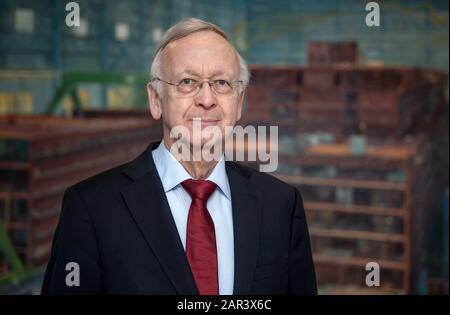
(71, 81)
(17, 273)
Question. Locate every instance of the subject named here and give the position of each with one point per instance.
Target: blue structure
(413, 33)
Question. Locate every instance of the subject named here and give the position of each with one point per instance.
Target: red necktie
(201, 238)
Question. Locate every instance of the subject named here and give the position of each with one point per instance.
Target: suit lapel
(148, 205)
(246, 226)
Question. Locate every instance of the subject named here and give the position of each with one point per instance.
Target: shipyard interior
(361, 111)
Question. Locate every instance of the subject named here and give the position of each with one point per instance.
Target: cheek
(231, 112)
(174, 111)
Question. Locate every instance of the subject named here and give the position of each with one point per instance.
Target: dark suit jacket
(118, 227)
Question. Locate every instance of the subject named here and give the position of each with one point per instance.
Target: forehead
(204, 53)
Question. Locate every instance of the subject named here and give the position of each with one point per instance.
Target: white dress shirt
(172, 173)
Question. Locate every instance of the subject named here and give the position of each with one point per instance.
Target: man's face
(199, 56)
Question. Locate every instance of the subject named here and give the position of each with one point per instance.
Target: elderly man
(162, 224)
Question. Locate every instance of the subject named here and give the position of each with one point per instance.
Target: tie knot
(198, 188)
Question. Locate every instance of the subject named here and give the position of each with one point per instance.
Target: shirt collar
(172, 173)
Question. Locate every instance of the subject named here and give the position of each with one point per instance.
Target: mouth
(204, 121)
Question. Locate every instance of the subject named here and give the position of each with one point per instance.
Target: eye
(187, 82)
(221, 82)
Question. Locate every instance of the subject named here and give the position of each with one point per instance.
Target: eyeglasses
(188, 85)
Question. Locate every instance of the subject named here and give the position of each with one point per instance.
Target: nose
(205, 96)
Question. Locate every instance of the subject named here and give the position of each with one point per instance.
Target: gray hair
(182, 29)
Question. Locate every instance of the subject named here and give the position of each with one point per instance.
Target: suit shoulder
(106, 180)
(264, 180)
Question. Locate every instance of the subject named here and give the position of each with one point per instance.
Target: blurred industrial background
(362, 115)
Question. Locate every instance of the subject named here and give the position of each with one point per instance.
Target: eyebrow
(194, 73)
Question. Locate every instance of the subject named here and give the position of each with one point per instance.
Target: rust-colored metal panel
(41, 156)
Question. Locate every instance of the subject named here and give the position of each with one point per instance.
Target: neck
(197, 169)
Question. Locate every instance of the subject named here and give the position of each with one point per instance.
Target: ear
(154, 102)
(240, 104)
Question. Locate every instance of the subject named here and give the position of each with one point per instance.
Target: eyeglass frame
(200, 84)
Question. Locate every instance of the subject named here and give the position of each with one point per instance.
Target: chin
(206, 139)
